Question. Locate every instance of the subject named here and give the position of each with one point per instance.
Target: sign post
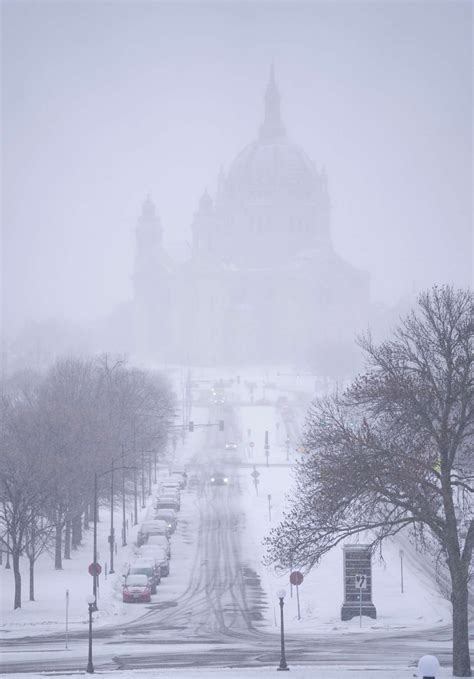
(255, 474)
(95, 569)
(67, 617)
(267, 447)
(296, 578)
(361, 583)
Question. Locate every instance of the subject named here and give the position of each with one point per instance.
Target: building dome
(272, 204)
(273, 169)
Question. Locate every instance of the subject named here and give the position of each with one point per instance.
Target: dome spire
(272, 127)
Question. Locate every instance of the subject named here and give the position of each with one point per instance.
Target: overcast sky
(105, 102)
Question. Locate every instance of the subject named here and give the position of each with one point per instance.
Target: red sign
(95, 569)
(296, 578)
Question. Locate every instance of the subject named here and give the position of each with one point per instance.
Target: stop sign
(95, 569)
(296, 578)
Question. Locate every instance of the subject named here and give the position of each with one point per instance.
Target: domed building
(263, 282)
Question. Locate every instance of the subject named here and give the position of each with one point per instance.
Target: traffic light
(221, 425)
(191, 426)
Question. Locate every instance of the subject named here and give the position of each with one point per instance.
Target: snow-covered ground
(48, 612)
(321, 595)
(244, 673)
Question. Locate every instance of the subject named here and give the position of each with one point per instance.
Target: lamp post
(111, 540)
(428, 666)
(135, 498)
(143, 480)
(124, 517)
(282, 667)
(91, 605)
(94, 555)
(111, 536)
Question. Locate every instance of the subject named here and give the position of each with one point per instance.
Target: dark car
(219, 479)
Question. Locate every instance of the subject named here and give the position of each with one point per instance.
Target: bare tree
(22, 483)
(38, 539)
(396, 451)
(55, 431)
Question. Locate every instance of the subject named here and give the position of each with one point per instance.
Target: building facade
(263, 282)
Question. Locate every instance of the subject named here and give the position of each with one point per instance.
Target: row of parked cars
(153, 541)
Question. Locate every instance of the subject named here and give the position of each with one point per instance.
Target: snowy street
(218, 608)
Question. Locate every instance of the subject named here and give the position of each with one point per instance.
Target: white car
(159, 557)
(160, 541)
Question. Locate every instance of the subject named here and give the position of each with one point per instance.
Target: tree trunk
(67, 540)
(58, 563)
(32, 579)
(17, 576)
(76, 527)
(86, 516)
(459, 599)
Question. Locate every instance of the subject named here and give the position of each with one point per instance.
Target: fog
(104, 103)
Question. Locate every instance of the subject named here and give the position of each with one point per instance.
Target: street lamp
(282, 667)
(111, 536)
(428, 666)
(91, 605)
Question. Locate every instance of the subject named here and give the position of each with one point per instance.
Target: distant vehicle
(146, 567)
(171, 484)
(193, 481)
(182, 477)
(160, 541)
(168, 515)
(230, 445)
(219, 479)
(136, 588)
(159, 556)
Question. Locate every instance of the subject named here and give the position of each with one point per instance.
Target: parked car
(136, 588)
(160, 541)
(171, 484)
(159, 557)
(169, 490)
(168, 515)
(146, 567)
(231, 445)
(154, 527)
(182, 477)
(167, 502)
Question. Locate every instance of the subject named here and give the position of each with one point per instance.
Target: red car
(136, 588)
